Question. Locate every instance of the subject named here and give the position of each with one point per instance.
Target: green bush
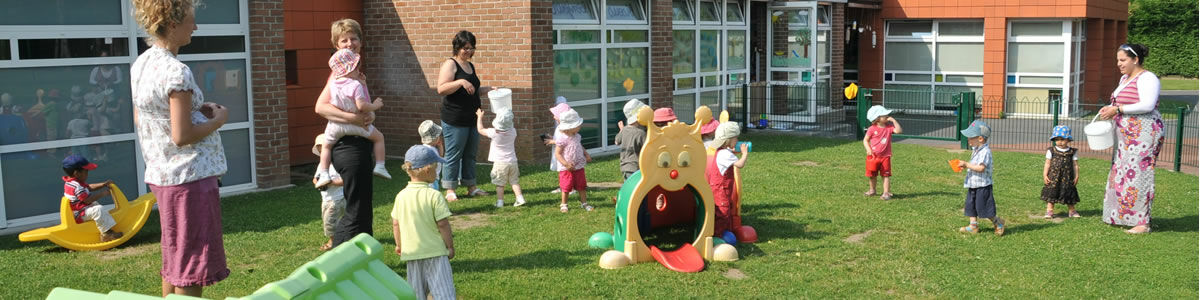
(1168, 28)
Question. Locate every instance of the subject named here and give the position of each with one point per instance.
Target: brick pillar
(270, 97)
(1109, 74)
(1093, 67)
(995, 45)
(870, 59)
(837, 56)
(662, 47)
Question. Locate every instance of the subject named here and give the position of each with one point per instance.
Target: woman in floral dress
(1139, 129)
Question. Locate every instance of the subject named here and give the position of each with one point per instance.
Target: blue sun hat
(1061, 131)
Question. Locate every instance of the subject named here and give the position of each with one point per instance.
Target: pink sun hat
(559, 109)
(343, 62)
(710, 127)
(665, 114)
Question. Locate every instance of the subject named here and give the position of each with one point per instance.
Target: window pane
(5, 51)
(206, 44)
(792, 50)
(625, 10)
(960, 28)
(684, 53)
(590, 131)
(710, 12)
(908, 56)
(72, 48)
(906, 96)
(237, 156)
(733, 103)
(911, 29)
(710, 50)
(1036, 28)
(737, 50)
(627, 72)
(963, 79)
(685, 83)
(1041, 80)
(823, 47)
(218, 12)
(580, 37)
(960, 57)
(733, 13)
(685, 107)
(31, 185)
(712, 99)
(681, 11)
(223, 83)
(615, 113)
(62, 12)
(1029, 100)
(577, 74)
(573, 10)
(1035, 58)
(912, 77)
(630, 36)
(711, 81)
(823, 15)
(78, 101)
(944, 95)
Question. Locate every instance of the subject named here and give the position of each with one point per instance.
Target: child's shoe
(381, 171)
(973, 228)
(556, 191)
(1049, 214)
(562, 208)
(477, 192)
(999, 226)
(587, 207)
(451, 197)
(520, 201)
(1073, 214)
(110, 235)
(322, 179)
(499, 203)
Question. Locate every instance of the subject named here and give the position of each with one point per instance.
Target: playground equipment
(672, 164)
(352, 270)
(130, 217)
(744, 233)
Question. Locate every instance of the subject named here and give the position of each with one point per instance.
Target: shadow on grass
(541, 259)
(781, 229)
(922, 194)
(1180, 224)
(1023, 228)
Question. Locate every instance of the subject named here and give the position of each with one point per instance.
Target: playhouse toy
(672, 164)
(352, 270)
(130, 217)
(744, 233)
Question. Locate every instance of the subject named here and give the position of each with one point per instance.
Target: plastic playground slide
(130, 217)
(685, 259)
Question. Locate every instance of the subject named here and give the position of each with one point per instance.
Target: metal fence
(801, 109)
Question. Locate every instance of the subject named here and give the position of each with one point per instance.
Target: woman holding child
(182, 149)
(1130, 190)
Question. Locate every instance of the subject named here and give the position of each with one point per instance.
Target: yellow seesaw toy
(130, 217)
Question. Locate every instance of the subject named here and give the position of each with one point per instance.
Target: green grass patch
(1185, 84)
(819, 238)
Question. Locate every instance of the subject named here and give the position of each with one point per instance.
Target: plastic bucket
(501, 100)
(1099, 134)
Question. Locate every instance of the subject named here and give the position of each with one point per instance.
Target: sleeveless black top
(458, 109)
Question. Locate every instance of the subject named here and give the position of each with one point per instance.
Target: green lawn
(1188, 84)
(804, 195)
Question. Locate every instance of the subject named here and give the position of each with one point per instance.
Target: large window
(1043, 64)
(926, 62)
(64, 89)
(601, 60)
(710, 55)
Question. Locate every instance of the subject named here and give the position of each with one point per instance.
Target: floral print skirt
(1130, 190)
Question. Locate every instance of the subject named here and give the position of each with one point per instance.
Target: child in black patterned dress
(1061, 173)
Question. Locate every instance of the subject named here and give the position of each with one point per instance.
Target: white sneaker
(381, 171)
(499, 203)
(556, 191)
(520, 201)
(573, 192)
(322, 179)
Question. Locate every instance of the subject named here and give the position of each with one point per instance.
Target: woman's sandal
(562, 208)
(1134, 231)
(451, 197)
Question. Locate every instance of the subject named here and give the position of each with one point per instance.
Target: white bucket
(1099, 134)
(501, 100)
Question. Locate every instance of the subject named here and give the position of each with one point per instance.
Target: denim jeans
(462, 145)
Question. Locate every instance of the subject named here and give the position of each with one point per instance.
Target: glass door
(791, 36)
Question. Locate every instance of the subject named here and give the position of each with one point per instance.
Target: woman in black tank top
(458, 83)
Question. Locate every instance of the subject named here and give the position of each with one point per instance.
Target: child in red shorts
(571, 157)
(878, 142)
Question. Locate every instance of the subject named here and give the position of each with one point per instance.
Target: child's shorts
(433, 277)
(335, 131)
(879, 166)
(505, 174)
(572, 180)
(980, 203)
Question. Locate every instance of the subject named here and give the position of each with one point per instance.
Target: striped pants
(431, 276)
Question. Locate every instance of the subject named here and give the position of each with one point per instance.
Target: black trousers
(352, 159)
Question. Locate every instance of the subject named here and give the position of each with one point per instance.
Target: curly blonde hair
(156, 16)
(344, 26)
(427, 172)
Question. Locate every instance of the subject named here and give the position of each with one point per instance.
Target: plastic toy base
(685, 259)
(613, 259)
(725, 252)
(746, 234)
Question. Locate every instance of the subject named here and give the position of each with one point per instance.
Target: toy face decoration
(674, 155)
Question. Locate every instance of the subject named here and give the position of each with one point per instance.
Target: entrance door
(791, 66)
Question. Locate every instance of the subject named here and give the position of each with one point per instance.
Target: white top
(724, 159)
(503, 147)
(332, 192)
(1148, 87)
(79, 128)
(1056, 148)
(153, 76)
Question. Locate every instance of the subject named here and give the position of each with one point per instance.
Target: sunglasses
(1130, 49)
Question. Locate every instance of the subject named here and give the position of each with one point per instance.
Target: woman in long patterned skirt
(1130, 190)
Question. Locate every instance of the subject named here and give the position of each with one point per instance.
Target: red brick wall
(266, 67)
(870, 59)
(306, 30)
(837, 55)
(407, 42)
(995, 45)
(662, 43)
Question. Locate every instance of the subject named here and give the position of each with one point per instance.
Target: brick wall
(407, 42)
(662, 44)
(837, 55)
(266, 69)
(995, 43)
(306, 32)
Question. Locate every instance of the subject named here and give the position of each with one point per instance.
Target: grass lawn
(1188, 84)
(819, 238)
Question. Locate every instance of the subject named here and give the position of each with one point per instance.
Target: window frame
(934, 38)
(1066, 39)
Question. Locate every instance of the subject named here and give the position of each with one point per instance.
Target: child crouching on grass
(979, 203)
(421, 227)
